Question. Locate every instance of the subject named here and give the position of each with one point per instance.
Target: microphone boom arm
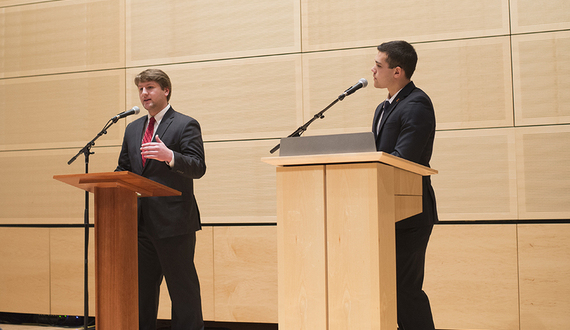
(305, 126)
(87, 148)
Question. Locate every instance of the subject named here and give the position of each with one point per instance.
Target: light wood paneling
(30, 195)
(471, 277)
(361, 246)
(66, 258)
(534, 16)
(236, 99)
(543, 172)
(468, 81)
(342, 24)
(207, 29)
(245, 274)
(477, 174)
(60, 111)
(6, 3)
(62, 36)
(237, 187)
(204, 261)
(325, 77)
(302, 247)
(544, 265)
(542, 77)
(24, 270)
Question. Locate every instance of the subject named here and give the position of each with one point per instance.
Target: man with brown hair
(166, 146)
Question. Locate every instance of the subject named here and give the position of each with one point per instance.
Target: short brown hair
(400, 53)
(157, 76)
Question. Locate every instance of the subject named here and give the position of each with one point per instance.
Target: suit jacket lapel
(401, 95)
(139, 129)
(165, 123)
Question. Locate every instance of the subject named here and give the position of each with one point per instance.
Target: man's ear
(398, 72)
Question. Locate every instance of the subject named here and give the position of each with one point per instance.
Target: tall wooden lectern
(116, 259)
(336, 216)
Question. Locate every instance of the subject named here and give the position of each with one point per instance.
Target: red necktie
(148, 134)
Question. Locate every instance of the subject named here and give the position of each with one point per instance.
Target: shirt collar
(158, 117)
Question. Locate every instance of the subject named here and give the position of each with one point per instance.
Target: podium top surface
(141, 185)
(344, 158)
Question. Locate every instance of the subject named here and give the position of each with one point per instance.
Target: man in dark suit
(167, 225)
(404, 126)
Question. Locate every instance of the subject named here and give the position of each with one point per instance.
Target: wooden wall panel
(245, 274)
(6, 3)
(343, 24)
(471, 277)
(198, 30)
(62, 36)
(30, 195)
(66, 253)
(327, 75)
(58, 111)
(477, 174)
(468, 81)
(204, 261)
(238, 187)
(544, 265)
(542, 78)
(543, 172)
(536, 16)
(24, 270)
(236, 99)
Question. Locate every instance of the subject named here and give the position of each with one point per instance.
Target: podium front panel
(301, 246)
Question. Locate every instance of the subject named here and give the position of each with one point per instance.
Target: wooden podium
(116, 242)
(336, 217)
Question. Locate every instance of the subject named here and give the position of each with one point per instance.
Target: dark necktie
(384, 108)
(148, 134)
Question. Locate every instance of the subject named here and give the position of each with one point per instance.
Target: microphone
(134, 110)
(360, 84)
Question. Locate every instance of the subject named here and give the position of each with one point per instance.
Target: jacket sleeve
(417, 127)
(189, 159)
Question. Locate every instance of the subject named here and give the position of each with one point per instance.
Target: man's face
(383, 75)
(153, 98)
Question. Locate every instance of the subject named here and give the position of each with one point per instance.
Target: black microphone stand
(319, 115)
(87, 151)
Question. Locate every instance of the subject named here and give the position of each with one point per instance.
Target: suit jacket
(407, 130)
(172, 215)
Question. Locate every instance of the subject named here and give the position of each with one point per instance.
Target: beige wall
(252, 71)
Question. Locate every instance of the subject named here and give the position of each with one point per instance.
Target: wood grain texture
(535, 16)
(62, 36)
(477, 177)
(361, 246)
(466, 96)
(34, 196)
(205, 30)
(544, 254)
(24, 270)
(471, 277)
(543, 172)
(245, 274)
(61, 111)
(339, 24)
(67, 247)
(540, 89)
(301, 212)
(116, 261)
